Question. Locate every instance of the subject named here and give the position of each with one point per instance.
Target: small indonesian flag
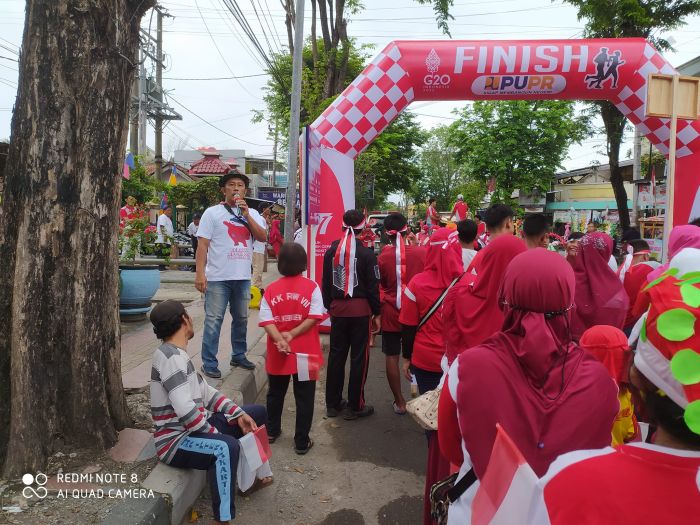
(255, 447)
(505, 492)
(308, 367)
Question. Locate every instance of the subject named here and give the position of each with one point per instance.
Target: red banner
(408, 71)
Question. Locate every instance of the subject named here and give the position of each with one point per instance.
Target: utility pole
(274, 156)
(636, 173)
(293, 154)
(159, 81)
(134, 113)
(142, 106)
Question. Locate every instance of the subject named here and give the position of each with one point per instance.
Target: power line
(212, 125)
(219, 78)
(220, 53)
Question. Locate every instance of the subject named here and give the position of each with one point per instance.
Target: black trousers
(348, 334)
(304, 394)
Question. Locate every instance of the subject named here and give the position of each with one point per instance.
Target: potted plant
(138, 283)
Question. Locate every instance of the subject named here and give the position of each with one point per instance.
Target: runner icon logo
(606, 69)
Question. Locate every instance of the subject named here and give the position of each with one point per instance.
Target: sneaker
(214, 373)
(351, 414)
(335, 411)
(243, 363)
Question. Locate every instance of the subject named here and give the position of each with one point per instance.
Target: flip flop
(259, 484)
(397, 411)
(302, 451)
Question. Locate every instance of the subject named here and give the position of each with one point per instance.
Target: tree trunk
(614, 122)
(288, 6)
(60, 361)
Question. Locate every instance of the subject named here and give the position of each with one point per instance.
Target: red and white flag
(308, 367)
(255, 448)
(507, 488)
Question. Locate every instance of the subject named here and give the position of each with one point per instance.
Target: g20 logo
(30, 492)
(437, 80)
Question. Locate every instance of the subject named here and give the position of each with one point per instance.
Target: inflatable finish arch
(408, 71)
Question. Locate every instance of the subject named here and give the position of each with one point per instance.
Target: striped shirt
(182, 401)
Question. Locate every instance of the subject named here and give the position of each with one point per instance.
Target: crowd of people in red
(536, 343)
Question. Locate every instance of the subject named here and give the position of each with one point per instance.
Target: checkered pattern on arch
(367, 106)
(631, 101)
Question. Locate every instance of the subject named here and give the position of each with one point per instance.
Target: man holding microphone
(226, 234)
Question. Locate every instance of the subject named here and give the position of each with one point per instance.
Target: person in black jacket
(351, 295)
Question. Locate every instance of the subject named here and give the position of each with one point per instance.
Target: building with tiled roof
(211, 164)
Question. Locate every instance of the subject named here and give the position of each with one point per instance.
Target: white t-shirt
(230, 244)
(259, 247)
(192, 229)
(164, 222)
(467, 256)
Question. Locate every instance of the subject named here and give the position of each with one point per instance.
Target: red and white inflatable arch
(408, 71)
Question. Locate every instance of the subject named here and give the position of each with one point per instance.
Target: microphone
(236, 209)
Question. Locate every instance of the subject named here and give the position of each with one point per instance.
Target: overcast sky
(203, 41)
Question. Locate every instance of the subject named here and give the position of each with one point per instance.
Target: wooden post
(672, 96)
(668, 220)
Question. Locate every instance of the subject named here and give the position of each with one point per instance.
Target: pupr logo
(30, 492)
(518, 84)
(433, 79)
(606, 66)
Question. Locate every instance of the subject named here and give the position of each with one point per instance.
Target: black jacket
(367, 283)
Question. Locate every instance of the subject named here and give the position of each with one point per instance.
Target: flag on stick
(308, 367)
(505, 492)
(255, 447)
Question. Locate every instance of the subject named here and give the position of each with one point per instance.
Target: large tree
(441, 173)
(60, 377)
(518, 143)
(389, 164)
(620, 19)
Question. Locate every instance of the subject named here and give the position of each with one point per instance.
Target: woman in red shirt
(290, 311)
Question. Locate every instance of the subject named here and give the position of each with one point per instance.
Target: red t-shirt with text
(287, 303)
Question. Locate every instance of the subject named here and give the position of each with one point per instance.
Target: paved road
(368, 471)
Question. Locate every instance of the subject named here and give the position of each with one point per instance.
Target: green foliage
(278, 98)
(634, 18)
(441, 172)
(442, 13)
(141, 185)
(519, 143)
(657, 160)
(197, 196)
(389, 162)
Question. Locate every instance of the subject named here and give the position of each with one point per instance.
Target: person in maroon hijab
(547, 393)
(600, 296)
(471, 306)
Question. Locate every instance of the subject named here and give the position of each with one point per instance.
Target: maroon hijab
(549, 395)
(600, 296)
(470, 308)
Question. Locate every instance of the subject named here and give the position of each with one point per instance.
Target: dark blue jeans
(218, 455)
(219, 295)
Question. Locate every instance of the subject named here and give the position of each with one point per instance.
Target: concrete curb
(177, 489)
